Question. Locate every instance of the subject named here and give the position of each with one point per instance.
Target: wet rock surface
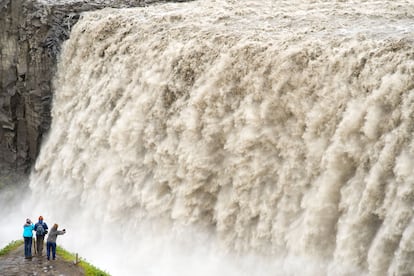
(15, 264)
(31, 35)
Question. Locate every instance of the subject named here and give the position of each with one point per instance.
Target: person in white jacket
(51, 241)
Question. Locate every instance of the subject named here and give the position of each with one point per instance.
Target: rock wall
(31, 34)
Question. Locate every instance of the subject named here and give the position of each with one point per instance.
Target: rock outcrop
(31, 35)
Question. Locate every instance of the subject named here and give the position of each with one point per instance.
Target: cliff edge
(30, 39)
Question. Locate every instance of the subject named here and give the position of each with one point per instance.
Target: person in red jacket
(41, 230)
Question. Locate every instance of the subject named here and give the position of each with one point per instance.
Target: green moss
(89, 269)
(3, 181)
(10, 247)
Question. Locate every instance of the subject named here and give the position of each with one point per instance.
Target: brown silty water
(282, 129)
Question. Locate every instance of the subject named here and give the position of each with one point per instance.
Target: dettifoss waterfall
(235, 138)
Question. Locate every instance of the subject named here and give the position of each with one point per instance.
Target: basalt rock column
(31, 34)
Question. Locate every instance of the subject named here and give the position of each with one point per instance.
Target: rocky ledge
(31, 35)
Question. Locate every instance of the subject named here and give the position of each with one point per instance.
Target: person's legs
(54, 250)
(48, 247)
(30, 247)
(39, 244)
(27, 246)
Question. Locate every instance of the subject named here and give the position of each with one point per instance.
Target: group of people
(41, 229)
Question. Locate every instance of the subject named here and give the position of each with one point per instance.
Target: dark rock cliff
(31, 34)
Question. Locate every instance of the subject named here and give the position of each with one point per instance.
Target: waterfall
(268, 136)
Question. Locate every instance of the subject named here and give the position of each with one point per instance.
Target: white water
(235, 138)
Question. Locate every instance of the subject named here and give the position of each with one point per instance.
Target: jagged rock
(31, 36)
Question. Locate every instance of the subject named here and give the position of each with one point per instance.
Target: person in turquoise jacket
(28, 228)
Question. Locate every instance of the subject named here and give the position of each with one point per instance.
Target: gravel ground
(14, 263)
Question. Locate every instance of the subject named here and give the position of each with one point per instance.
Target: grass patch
(89, 269)
(11, 246)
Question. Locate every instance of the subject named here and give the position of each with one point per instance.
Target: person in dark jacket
(41, 230)
(28, 236)
(51, 241)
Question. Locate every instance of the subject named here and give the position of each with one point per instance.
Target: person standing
(51, 241)
(28, 236)
(41, 230)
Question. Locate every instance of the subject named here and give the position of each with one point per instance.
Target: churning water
(236, 138)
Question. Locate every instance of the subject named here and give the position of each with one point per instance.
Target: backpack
(40, 231)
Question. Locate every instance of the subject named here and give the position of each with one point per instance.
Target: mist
(15, 207)
(147, 249)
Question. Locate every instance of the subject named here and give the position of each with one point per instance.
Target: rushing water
(236, 138)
